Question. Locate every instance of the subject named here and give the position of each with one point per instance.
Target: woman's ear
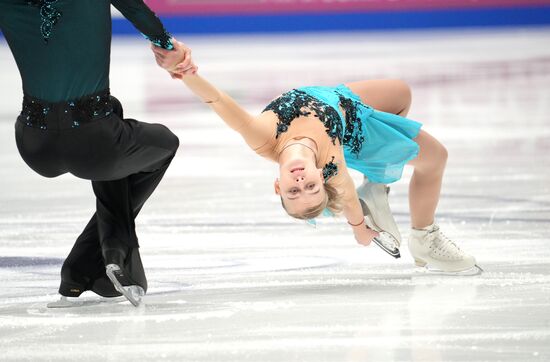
(277, 187)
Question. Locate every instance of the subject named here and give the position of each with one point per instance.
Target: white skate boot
(433, 250)
(378, 216)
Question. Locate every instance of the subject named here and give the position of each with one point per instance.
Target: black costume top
(62, 47)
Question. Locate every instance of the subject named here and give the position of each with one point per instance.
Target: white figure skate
(433, 250)
(378, 216)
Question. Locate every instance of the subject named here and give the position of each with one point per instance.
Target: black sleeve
(145, 20)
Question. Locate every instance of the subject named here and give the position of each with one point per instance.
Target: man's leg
(153, 149)
(84, 268)
(118, 203)
(84, 265)
(114, 249)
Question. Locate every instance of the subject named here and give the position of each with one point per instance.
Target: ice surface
(233, 279)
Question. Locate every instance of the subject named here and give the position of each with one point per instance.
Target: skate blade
(131, 292)
(473, 271)
(387, 243)
(65, 302)
(69, 302)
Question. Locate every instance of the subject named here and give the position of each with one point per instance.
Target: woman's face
(300, 185)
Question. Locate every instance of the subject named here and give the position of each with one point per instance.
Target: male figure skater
(71, 123)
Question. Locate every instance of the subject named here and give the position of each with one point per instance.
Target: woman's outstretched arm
(230, 111)
(256, 134)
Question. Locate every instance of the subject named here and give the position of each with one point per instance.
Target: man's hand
(169, 59)
(177, 62)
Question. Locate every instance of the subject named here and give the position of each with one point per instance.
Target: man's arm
(146, 21)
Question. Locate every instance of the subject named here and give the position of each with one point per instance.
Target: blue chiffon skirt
(388, 138)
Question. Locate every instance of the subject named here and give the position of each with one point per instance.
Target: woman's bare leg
(425, 184)
(386, 95)
(437, 251)
(394, 96)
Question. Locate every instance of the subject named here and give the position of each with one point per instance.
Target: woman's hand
(184, 69)
(363, 234)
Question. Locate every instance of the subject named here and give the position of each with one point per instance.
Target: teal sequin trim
(84, 110)
(330, 170)
(50, 16)
(296, 103)
(164, 41)
(353, 135)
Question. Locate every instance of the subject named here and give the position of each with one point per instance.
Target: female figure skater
(315, 133)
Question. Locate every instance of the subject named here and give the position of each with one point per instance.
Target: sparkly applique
(50, 16)
(93, 107)
(34, 114)
(353, 135)
(330, 170)
(296, 103)
(84, 110)
(164, 40)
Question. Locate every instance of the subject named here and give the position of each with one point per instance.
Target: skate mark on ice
(101, 312)
(26, 261)
(246, 265)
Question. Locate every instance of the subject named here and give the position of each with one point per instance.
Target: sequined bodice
(340, 119)
(297, 102)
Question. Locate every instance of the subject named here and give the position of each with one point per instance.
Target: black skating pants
(125, 161)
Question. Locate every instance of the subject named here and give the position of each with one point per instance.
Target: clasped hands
(178, 62)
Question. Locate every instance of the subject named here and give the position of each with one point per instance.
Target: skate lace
(443, 246)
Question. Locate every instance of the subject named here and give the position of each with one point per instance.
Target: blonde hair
(332, 202)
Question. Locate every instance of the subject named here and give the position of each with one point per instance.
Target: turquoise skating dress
(376, 143)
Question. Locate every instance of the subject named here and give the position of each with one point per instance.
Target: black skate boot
(74, 283)
(103, 286)
(70, 287)
(81, 266)
(124, 268)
